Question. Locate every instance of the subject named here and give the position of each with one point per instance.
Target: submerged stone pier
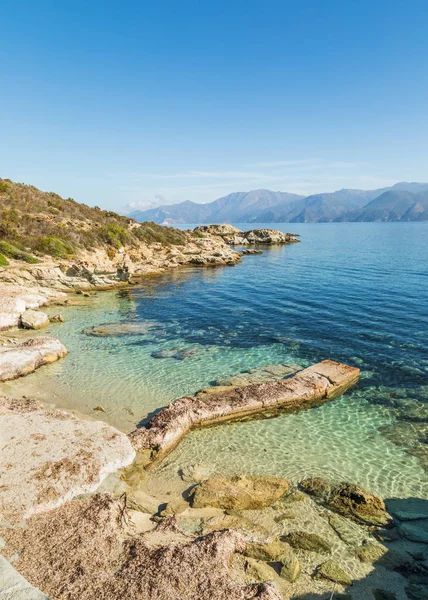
(312, 386)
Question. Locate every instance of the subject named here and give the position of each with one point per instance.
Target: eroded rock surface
(22, 359)
(49, 456)
(314, 385)
(84, 550)
(239, 493)
(349, 500)
(15, 300)
(260, 375)
(234, 236)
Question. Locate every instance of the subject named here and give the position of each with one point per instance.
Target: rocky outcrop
(16, 300)
(99, 269)
(34, 319)
(269, 236)
(234, 236)
(86, 550)
(223, 230)
(239, 493)
(22, 359)
(50, 456)
(349, 500)
(312, 386)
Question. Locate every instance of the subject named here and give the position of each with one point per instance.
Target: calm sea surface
(356, 293)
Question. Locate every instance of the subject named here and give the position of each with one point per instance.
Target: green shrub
(4, 188)
(115, 235)
(53, 246)
(3, 261)
(13, 252)
(152, 232)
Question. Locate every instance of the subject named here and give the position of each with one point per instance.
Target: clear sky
(159, 101)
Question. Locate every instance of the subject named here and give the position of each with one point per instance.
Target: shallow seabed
(357, 293)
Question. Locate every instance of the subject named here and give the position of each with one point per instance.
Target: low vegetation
(35, 223)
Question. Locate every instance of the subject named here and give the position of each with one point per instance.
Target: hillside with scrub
(36, 224)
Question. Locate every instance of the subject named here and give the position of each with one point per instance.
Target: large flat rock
(15, 300)
(314, 385)
(22, 359)
(50, 456)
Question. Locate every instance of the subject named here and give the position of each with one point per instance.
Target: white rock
(14, 300)
(34, 319)
(21, 359)
(50, 456)
(13, 586)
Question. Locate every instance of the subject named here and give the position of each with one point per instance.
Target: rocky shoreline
(241, 538)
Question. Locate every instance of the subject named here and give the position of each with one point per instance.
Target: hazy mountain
(401, 202)
(236, 207)
(395, 205)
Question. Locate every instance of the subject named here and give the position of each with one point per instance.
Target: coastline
(134, 475)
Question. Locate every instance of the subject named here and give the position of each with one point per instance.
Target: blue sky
(161, 101)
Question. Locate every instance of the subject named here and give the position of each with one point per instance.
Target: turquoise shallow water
(357, 293)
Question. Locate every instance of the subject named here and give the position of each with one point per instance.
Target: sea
(351, 292)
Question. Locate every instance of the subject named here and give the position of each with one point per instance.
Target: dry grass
(42, 223)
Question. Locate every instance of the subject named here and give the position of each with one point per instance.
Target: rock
(240, 493)
(348, 532)
(50, 456)
(175, 507)
(269, 236)
(332, 571)
(291, 568)
(57, 319)
(221, 230)
(271, 550)
(370, 552)
(34, 319)
(196, 473)
(308, 541)
(319, 487)
(251, 531)
(14, 587)
(233, 235)
(414, 531)
(260, 375)
(99, 409)
(295, 496)
(349, 500)
(21, 359)
(164, 563)
(257, 570)
(163, 353)
(362, 506)
(250, 250)
(313, 385)
(120, 329)
(17, 299)
(380, 594)
(143, 502)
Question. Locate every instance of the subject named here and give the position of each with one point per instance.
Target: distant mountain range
(400, 202)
